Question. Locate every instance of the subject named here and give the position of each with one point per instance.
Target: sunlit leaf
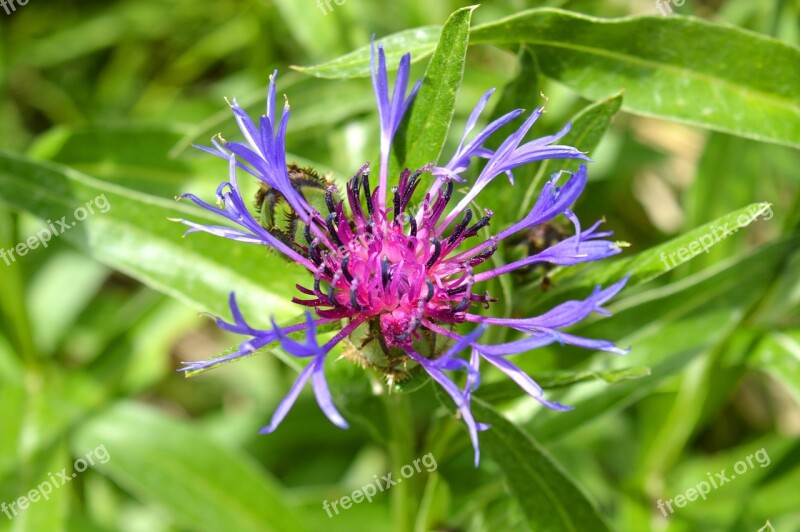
(549, 497)
(420, 42)
(163, 460)
(737, 81)
(421, 141)
(135, 236)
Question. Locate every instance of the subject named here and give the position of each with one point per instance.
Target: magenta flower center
(393, 264)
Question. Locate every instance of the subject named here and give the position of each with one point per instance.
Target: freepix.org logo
(55, 228)
(384, 483)
(703, 488)
(715, 235)
(9, 6)
(54, 481)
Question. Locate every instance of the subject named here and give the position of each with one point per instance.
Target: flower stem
(401, 448)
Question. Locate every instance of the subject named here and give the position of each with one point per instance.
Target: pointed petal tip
(342, 424)
(554, 405)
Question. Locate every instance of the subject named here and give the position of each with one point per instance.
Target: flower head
(398, 276)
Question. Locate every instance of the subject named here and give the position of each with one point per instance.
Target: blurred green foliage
(106, 98)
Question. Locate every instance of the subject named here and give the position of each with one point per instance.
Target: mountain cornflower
(399, 279)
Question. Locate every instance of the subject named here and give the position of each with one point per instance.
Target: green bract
(277, 216)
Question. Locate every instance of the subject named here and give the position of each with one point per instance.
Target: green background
(690, 121)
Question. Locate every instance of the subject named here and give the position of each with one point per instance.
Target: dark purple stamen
(313, 252)
(396, 202)
(457, 290)
(384, 271)
(437, 250)
(367, 194)
(431, 290)
(412, 186)
(329, 221)
(345, 271)
(441, 203)
(480, 224)
(482, 256)
(354, 297)
(329, 198)
(465, 303)
(460, 228)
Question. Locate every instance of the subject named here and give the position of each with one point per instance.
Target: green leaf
(317, 108)
(354, 391)
(135, 236)
(13, 402)
(549, 497)
(522, 92)
(736, 82)
(45, 513)
(129, 155)
(657, 260)
(421, 141)
(778, 354)
(505, 390)
(15, 320)
(306, 29)
(204, 484)
(435, 504)
(76, 279)
(41, 409)
(420, 42)
(765, 488)
(665, 328)
(587, 129)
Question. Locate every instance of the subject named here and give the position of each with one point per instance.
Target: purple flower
(409, 274)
